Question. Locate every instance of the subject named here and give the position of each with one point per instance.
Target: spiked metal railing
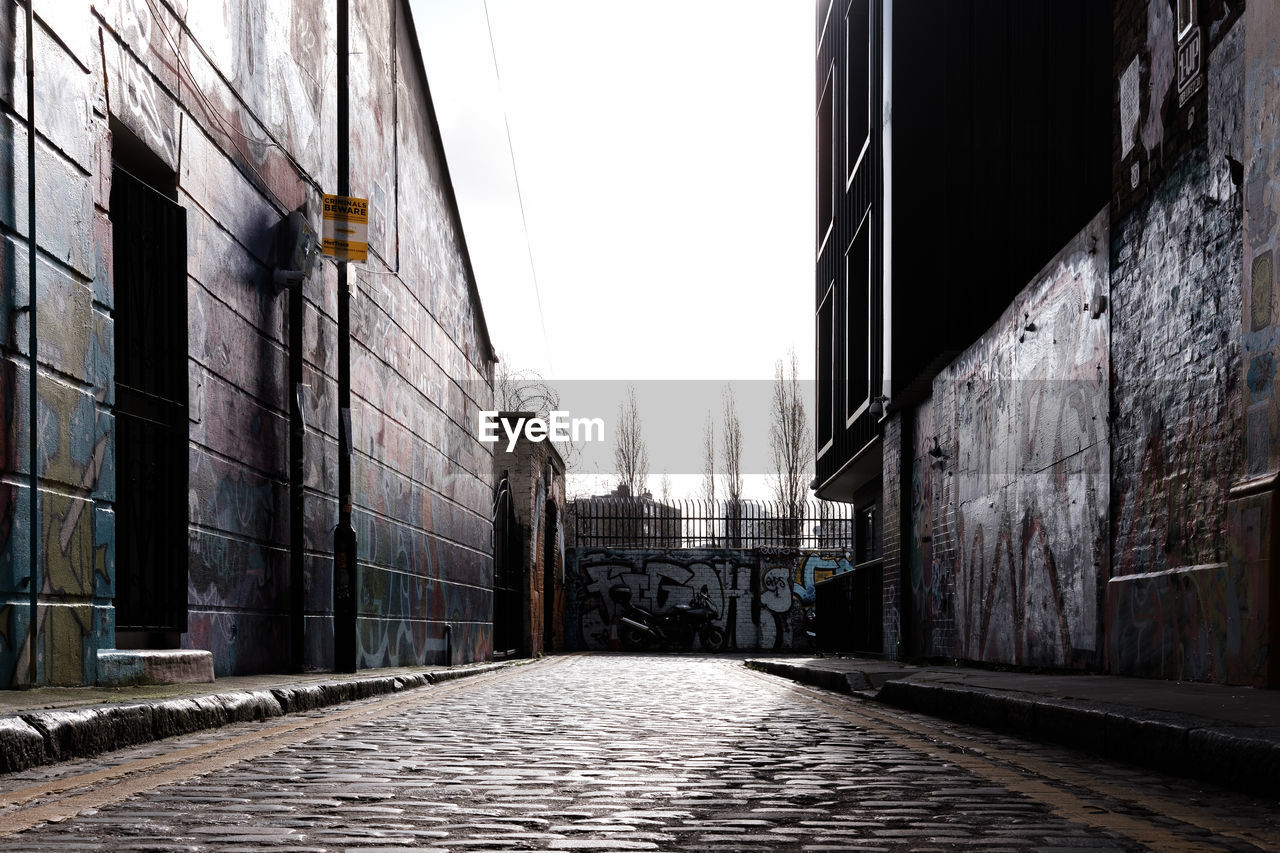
(621, 522)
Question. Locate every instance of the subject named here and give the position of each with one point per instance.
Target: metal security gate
(150, 280)
(508, 575)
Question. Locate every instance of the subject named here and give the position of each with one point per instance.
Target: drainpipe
(344, 536)
(297, 474)
(33, 405)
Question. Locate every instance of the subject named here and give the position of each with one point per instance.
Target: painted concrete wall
(1007, 550)
(75, 396)
(237, 99)
(761, 594)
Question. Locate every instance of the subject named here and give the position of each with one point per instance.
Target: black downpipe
(344, 536)
(34, 403)
(297, 472)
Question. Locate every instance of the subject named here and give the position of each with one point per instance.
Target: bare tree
(664, 487)
(732, 469)
(630, 454)
(709, 459)
(732, 454)
(791, 444)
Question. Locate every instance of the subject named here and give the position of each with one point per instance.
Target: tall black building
(960, 144)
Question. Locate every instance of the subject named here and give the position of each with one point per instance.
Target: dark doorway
(150, 280)
(508, 575)
(549, 552)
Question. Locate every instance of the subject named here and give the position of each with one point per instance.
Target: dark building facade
(176, 369)
(1044, 326)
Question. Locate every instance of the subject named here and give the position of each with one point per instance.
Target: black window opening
(858, 334)
(149, 245)
(867, 535)
(857, 82)
(1186, 16)
(825, 154)
(826, 378)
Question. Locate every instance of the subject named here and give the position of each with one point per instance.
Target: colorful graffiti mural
(761, 594)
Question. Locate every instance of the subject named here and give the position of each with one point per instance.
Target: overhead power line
(524, 221)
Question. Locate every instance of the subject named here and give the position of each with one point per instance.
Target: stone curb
(838, 682)
(46, 737)
(1178, 744)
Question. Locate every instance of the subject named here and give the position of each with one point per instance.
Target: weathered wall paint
(1008, 491)
(1156, 122)
(1261, 225)
(930, 547)
(74, 448)
(246, 122)
(1174, 607)
(1078, 497)
(546, 538)
(760, 593)
(1253, 512)
(894, 545)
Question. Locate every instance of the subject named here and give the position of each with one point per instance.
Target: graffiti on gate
(761, 594)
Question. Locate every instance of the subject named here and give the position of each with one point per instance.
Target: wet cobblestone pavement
(637, 753)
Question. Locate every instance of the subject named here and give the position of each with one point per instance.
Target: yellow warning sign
(345, 232)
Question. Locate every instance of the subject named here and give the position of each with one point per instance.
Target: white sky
(665, 157)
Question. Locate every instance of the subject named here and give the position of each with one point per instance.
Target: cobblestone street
(616, 753)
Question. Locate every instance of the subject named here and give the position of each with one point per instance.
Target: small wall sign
(345, 234)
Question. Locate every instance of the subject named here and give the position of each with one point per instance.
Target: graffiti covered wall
(421, 367)
(1008, 548)
(760, 594)
(229, 101)
(74, 449)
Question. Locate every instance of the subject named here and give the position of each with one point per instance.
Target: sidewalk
(51, 724)
(1227, 735)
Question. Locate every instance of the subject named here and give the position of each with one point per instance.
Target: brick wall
(892, 533)
(1176, 396)
(537, 476)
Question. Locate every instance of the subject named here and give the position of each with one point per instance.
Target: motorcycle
(640, 628)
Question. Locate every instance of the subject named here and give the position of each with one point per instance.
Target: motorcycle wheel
(633, 639)
(713, 638)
